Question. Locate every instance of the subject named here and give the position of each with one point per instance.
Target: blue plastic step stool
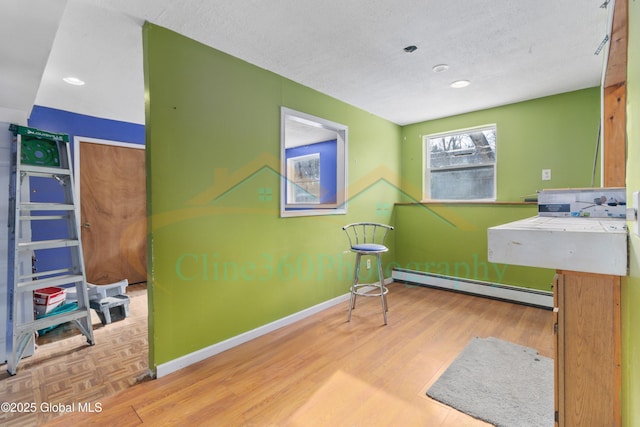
(111, 308)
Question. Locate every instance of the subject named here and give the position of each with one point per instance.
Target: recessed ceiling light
(460, 83)
(440, 68)
(73, 81)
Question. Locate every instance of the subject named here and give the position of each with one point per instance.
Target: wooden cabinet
(587, 368)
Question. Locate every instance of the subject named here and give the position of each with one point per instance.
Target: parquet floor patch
(65, 370)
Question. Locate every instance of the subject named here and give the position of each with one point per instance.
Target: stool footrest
(367, 290)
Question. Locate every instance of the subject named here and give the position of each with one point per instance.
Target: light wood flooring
(321, 371)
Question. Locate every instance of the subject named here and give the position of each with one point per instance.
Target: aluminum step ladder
(45, 156)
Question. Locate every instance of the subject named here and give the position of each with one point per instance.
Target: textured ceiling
(510, 50)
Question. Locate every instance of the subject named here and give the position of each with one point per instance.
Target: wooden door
(114, 215)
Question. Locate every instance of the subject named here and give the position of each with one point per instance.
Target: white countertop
(570, 224)
(595, 245)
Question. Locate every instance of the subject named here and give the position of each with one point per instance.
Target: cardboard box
(46, 299)
(583, 202)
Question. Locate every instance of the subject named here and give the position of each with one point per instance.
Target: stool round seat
(369, 248)
(367, 239)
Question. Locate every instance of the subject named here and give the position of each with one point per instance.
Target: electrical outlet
(546, 174)
(368, 264)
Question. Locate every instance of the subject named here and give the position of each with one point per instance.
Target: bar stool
(367, 239)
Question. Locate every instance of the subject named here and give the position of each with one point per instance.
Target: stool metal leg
(352, 300)
(385, 308)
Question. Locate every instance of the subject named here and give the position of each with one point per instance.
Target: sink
(592, 245)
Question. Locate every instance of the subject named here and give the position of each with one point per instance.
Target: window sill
(463, 202)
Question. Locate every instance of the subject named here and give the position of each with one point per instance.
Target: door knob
(86, 225)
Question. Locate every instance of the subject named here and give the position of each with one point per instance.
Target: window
(313, 165)
(461, 165)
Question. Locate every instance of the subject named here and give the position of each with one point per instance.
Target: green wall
(631, 285)
(451, 239)
(557, 132)
(222, 261)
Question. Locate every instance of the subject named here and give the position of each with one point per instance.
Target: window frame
(427, 170)
(340, 133)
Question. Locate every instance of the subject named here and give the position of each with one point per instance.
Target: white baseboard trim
(197, 356)
(526, 296)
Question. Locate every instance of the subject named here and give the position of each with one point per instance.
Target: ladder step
(32, 285)
(48, 244)
(44, 171)
(56, 319)
(32, 206)
(41, 217)
(42, 274)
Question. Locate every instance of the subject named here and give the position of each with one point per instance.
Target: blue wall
(53, 120)
(73, 124)
(328, 166)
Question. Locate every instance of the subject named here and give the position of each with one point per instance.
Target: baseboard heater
(532, 297)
